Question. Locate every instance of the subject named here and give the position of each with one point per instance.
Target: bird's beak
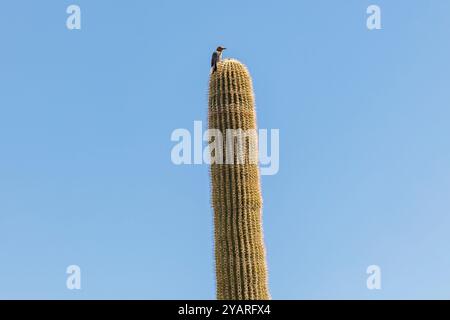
(223, 48)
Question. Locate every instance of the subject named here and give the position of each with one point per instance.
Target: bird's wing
(214, 59)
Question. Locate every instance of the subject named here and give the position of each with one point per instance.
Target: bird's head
(220, 49)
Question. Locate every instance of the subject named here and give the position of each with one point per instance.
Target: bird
(216, 57)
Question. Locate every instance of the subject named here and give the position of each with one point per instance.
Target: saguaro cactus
(241, 271)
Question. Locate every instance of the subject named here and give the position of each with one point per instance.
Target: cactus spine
(241, 272)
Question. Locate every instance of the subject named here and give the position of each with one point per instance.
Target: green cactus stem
(241, 270)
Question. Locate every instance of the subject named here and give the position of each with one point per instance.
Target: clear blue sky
(86, 117)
